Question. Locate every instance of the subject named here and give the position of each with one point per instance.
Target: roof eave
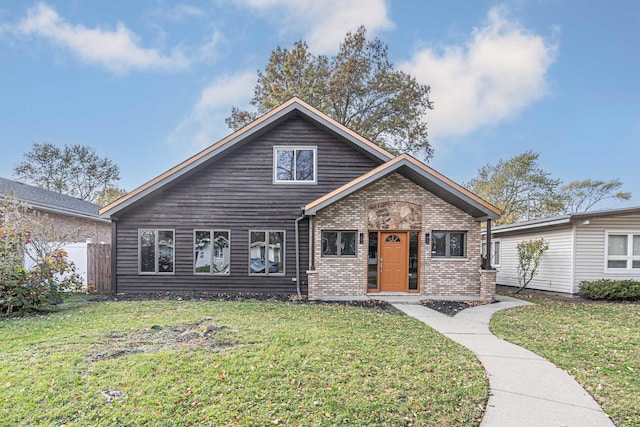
(521, 227)
(65, 212)
(391, 167)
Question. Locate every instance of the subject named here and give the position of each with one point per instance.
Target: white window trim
(284, 252)
(339, 256)
(212, 273)
(493, 252)
(295, 147)
(629, 257)
(156, 251)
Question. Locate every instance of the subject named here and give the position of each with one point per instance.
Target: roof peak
(251, 129)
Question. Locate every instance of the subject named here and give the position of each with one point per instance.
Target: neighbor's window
(495, 253)
(295, 164)
(156, 251)
(266, 252)
(623, 250)
(448, 244)
(339, 244)
(211, 251)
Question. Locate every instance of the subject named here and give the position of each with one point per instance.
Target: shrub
(607, 289)
(22, 289)
(529, 256)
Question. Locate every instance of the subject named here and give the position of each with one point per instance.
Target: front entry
(393, 262)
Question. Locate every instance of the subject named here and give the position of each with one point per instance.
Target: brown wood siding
(236, 192)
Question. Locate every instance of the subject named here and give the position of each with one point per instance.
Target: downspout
(298, 254)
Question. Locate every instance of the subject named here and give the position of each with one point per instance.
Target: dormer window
(294, 165)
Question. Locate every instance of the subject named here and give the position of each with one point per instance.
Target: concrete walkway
(526, 389)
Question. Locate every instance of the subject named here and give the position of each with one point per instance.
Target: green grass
(233, 363)
(598, 343)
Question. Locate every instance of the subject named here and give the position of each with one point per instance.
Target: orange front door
(393, 263)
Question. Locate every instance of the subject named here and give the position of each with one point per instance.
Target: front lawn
(233, 363)
(598, 343)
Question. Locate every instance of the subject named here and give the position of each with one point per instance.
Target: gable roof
(421, 174)
(560, 220)
(254, 128)
(49, 201)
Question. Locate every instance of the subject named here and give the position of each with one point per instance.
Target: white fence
(77, 253)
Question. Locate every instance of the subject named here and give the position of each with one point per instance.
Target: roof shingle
(50, 201)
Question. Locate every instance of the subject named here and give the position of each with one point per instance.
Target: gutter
(297, 222)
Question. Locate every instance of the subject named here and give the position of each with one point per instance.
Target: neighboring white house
(582, 246)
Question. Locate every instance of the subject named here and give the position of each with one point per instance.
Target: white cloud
(116, 50)
(183, 10)
(499, 71)
(325, 22)
(205, 124)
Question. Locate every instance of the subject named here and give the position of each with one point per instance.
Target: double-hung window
(211, 252)
(338, 243)
(294, 165)
(266, 252)
(156, 251)
(448, 244)
(623, 250)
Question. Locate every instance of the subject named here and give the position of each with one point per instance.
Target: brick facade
(488, 285)
(438, 276)
(80, 229)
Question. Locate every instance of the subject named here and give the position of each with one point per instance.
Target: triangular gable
(253, 128)
(422, 175)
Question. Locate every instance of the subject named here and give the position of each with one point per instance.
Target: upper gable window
(294, 165)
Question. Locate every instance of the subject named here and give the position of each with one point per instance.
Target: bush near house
(607, 289)
(22, 289)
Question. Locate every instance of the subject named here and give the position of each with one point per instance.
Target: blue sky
(149, 83)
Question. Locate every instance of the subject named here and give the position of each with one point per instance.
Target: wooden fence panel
(99, 267)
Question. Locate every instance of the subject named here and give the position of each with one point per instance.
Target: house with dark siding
(296, 203)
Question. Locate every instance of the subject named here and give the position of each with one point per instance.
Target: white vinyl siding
(555, 270)
(590, 258)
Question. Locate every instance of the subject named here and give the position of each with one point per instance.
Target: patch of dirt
(450, 308)
(205, 296)
(203, 334)
(364, 303)
(200, 296)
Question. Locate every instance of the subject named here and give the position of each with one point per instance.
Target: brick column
(487, 285)
(313, 291)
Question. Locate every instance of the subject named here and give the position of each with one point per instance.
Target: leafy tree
(529, 255)
(74, 170)
(519, 187)
(357, 87)
(581, 196)
(23, 231)
(109, 195)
